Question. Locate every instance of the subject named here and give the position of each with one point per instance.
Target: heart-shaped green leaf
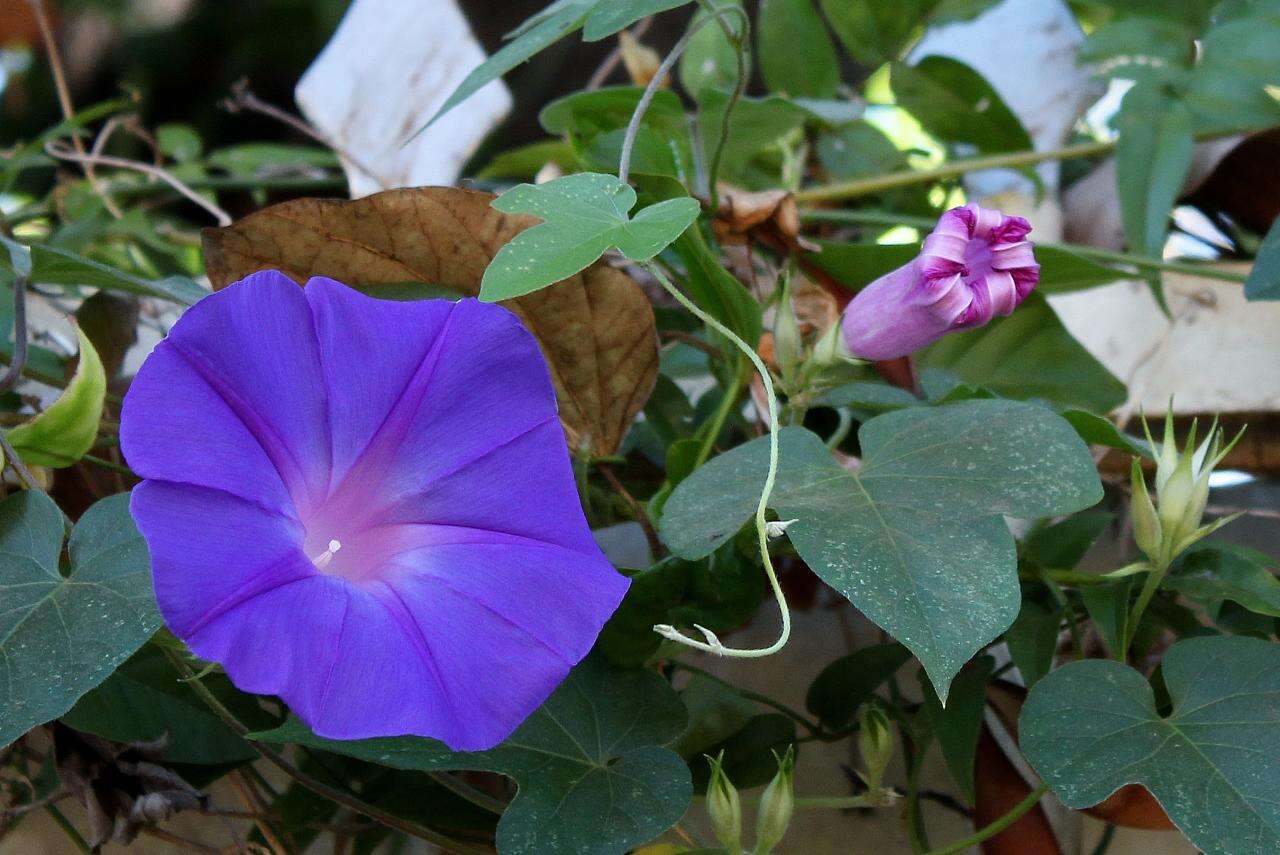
(913, 538)
(62, 635)
(591, 763)
(584, 215)
(1092, 727)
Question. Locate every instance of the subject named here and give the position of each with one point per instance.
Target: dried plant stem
(242, 98)
(253, 802)
(611, 61)
(11, 376)
(646, 98)
(64, 99)
(712, 644)
(62, 152)
(893, 180)
(323, 790)
(637, 509)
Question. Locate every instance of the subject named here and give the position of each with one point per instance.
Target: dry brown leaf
(640, 60)
(596, 328)
(770, 216)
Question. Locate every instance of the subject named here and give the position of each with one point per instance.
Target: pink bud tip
(975, 265)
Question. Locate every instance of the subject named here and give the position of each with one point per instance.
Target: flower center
(324, 558)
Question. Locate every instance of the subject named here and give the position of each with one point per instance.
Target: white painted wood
(1220, 353)
(389, 66)
(1026, 49)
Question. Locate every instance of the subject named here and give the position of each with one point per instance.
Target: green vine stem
(720, 416)
(986, 832)
(321, 789)
(738, 41)
(885, 218)
(60, 820)
(841, 190)
(1149, 587)
(713, 644)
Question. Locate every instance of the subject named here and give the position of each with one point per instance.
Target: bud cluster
(777, 804)
(1170, 523)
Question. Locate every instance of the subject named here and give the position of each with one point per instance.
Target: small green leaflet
(61, 636)
(1264, 278)
(595, 776)
(66, 430)
(597, 18)
(584, 215)
(914, 538)
(1092, 727)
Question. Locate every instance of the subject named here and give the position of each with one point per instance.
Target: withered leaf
(596, 328)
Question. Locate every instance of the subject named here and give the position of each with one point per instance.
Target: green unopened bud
(1146, 523)
(1167, 461)
(875, 744)
(1176, 493)
(724, 807)
(786, 335)
(777, 804)
(830, 348)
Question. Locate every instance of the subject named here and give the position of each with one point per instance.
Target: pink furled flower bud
(975, 265)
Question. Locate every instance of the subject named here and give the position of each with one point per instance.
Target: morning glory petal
(387, 534)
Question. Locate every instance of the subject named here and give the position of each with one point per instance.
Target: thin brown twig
(637, 509)
(242, 98)
(64, 99)
(318, 787)
(693, 341)
(253, 801)
(614, 57)
(178, 840)
(11, 376)
(61, 152)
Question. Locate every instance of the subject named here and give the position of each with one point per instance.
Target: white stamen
(322, 560)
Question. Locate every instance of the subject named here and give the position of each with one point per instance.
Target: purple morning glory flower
(366, 508)
(975, 265)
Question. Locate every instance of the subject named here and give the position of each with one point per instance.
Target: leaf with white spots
(583, 215)
(592, 766)
(62, 635)
(1091, 727)
(914, 537)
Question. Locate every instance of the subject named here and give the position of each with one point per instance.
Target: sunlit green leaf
(956, 104)
(583, 216)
